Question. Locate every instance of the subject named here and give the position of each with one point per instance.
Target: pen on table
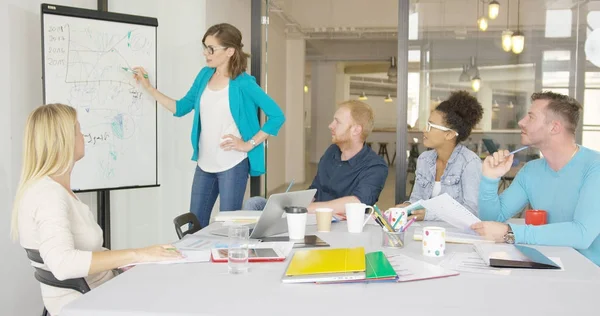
(132, 71)
(412, 220)
(171, 249)
(290, 186)
(518, 150)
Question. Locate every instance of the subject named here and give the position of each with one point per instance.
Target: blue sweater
(245, 98)
(570, 196)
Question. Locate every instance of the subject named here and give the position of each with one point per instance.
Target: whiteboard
(83, 56)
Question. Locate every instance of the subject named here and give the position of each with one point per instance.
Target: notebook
(378, 269)
(326, 265)
(514, 256)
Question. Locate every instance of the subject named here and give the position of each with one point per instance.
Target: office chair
(185, 219)
(46, 277)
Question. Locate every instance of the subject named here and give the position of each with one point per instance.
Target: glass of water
(237, 250)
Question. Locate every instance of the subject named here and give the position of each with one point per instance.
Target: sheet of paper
(190, 256)
(200, 242)
(409, 269)
(470, 262)
(451, 212)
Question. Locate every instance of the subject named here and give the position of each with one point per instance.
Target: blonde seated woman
(48, 216)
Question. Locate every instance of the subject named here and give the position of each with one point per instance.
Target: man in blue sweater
(564, 183)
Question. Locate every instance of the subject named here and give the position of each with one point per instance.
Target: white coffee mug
(355, 216)
(434, 241)
(398, 216)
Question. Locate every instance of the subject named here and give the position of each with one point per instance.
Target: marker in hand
(133, 72)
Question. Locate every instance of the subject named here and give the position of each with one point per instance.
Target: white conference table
(207, 288)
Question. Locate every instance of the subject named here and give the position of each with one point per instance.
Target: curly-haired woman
(450, 167)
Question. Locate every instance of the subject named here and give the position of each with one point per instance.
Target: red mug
(536, 217)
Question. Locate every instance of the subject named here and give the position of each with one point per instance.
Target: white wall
(385, 113)
(276, 88)
(294, 126)
(20, 79)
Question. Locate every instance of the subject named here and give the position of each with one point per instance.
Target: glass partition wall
(529, 46)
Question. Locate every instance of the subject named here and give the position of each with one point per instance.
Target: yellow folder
(321, 261)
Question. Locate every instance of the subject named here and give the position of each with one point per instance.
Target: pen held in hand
(518, 150)
(133, 72)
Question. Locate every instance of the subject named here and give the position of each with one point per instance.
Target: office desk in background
(207, 289)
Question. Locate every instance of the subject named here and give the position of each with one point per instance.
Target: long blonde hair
(48, 149)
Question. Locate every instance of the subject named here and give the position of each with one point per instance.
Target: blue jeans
(255, 203)
(231, 184)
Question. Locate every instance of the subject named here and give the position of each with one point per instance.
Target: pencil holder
(392, 239)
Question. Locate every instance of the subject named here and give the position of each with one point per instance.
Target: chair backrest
(186, 219)
(46, 277)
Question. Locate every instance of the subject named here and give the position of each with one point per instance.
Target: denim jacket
(460, 179)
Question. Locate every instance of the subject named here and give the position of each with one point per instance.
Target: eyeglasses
(441, 128)
(211, 49)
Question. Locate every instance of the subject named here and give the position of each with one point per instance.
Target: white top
(437, 188)
(65, 232)
(216, 121)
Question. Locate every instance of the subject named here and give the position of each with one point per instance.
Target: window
(558, 23)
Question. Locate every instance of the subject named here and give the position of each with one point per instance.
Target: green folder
(378, 267)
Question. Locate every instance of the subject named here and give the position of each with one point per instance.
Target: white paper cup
(296, 220)
(434, 241)
(324, 216)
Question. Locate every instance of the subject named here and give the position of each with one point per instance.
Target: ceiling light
(388, 99)
(507, 40)
(518, 42)
(476, 83)
(482, 22)
(495, 106)
(393, 70)
(464, 75)
(510, 105)
(362, 97)
(493, 10)
(472, 70)
(518, 39)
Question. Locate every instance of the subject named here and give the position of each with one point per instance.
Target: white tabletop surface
(207, 288)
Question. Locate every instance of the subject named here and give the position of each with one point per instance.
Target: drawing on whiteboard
(84, 62)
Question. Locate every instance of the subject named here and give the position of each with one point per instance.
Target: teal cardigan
(245, 98)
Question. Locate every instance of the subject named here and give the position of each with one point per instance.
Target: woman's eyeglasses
(441, 128)
(211, 49)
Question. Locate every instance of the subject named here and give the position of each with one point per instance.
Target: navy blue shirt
(362, 176)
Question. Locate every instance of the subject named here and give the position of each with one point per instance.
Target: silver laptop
(270, 221)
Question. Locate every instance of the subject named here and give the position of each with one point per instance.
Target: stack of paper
(409, 269)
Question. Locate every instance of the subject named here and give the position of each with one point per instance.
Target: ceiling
(362, 34)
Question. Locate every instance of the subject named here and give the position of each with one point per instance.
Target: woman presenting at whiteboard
(227, 138)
